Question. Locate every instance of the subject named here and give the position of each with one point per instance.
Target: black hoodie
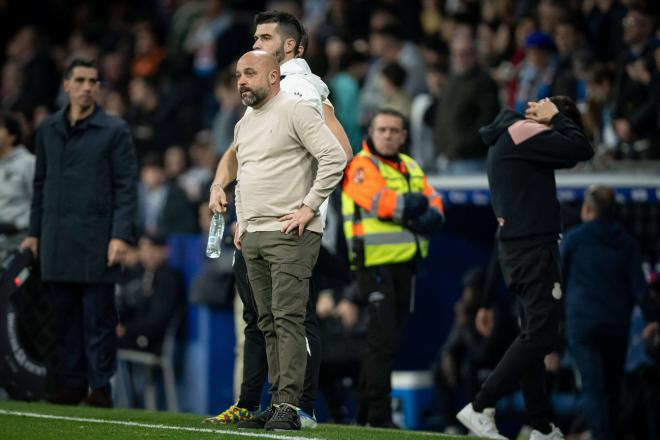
(522, 160)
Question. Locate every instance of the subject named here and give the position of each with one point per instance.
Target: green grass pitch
(21, 420)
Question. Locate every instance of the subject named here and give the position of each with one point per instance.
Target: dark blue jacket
(85, 193)
(603, 277)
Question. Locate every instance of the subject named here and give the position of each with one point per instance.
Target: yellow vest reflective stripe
(386, 242)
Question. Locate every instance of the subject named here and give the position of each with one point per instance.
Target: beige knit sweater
(287, 157)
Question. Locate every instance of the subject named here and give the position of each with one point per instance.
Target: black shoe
(99, 397)
(67, 396)
(286, 417)
(258, 422)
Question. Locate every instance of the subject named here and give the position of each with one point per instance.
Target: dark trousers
(255, 365)
(600, 356)
(387, 291)
(533, 275)
(86, 346)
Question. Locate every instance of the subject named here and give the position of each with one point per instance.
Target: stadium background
(165, 90)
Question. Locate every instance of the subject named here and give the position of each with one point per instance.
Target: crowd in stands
(167, 68)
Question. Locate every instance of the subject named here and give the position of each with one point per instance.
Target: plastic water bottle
(213, 245)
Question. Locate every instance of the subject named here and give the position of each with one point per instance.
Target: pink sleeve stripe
(524, 129)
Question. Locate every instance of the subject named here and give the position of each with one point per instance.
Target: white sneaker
(307, 421)
(480, 423)
(555, 434)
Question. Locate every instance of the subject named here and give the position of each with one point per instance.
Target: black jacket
(522, 159)
(85, 193)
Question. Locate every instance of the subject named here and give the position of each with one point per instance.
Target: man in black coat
(523, 155)
(82, 219)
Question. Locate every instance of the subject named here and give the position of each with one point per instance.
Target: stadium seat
(151, 361)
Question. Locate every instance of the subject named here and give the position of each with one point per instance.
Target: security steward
(389, 209)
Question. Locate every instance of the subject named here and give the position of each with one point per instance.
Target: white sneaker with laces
(555, 434)
(480, 423)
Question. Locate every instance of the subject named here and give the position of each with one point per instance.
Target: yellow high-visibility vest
(384, 242)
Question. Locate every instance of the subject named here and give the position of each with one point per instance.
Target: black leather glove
(414, 204)
(427, 223)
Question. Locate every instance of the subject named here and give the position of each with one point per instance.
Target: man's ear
(274, 76)
(290, 46)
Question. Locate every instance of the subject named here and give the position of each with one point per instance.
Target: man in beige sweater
(288, 164)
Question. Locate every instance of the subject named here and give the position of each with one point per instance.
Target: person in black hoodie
(524, 152)
(603, 279)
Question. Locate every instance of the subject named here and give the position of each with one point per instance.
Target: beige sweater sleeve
(317, 138)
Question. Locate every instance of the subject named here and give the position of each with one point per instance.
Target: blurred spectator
(217, 38)
(150, 297)
(391, 82)
(537, 70)
(176, 162)
(193, 181)
(231, 110)
(163, 207)
(422, 117)
(387, 46)
(14, 96)
(433, 51)
(468, 101)
(551, 13)
(343, 337)
(150, 117)
(506, 72)
(148, 55)
(113, 71)
(181, 24)
(40, 80)
(566, 82)
(16, 174)
(604, 31)
(640, 406)
(345, 90)
(603, 278)
(600, 104)
(633, 121)
(114, 104)
(430, 17)
(652, 106)
(213, 285)
(197, 178)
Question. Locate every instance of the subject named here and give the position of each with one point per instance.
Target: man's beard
(279, 54)
(253, 96)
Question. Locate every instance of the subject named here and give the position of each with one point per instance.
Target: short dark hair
(287, 25)
(392, 31)
(395, 74)
(390, 112)
(78, 62)
(601, 200)
(352, 57)
(153, 159)
(567, 106)
(13, 125)
(304, 43)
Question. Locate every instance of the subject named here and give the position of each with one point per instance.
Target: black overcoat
(85, 193)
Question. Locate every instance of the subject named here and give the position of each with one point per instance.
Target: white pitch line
(149, 425)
